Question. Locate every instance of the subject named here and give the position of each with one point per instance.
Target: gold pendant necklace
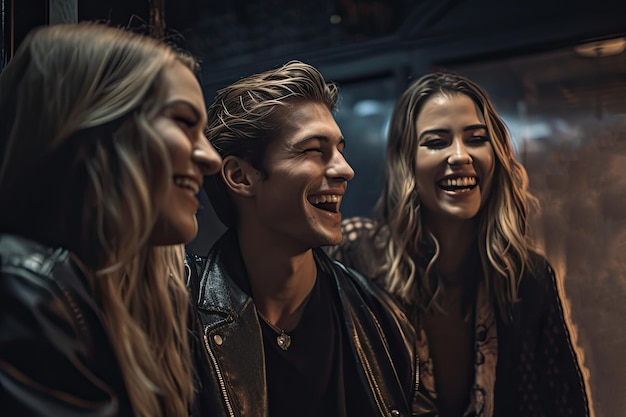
(283, 340)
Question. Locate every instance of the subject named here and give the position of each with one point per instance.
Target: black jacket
(538, 372)
(232, 335)
(55, 356)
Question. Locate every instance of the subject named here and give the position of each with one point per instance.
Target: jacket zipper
(220, 377)
(417, 378)
(373, 385)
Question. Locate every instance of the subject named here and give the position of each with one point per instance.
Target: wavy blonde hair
(410, 251)
(84, 169)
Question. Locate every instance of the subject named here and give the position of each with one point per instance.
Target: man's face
(297, 203)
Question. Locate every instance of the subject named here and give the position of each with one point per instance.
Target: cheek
(425, 171)
(488, 168)
(176, 142)
(489, 164)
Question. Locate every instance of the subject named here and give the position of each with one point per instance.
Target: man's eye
(313, 150)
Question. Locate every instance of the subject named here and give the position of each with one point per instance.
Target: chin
(173, 237)
(332, 239)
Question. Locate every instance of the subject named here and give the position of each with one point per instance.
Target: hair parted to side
(82, 167)
(246, 116)
(410, 251)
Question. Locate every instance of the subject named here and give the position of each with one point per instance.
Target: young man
(287, 331)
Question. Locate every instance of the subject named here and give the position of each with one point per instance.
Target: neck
(280, 280)
(457, 243)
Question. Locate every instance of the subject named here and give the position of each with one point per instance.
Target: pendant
(283, 340)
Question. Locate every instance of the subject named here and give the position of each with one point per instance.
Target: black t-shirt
(317, 375)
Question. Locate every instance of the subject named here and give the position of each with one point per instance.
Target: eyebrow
(322, 138)
(443, 131)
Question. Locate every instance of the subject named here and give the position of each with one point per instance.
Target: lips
(327, 202)
(187, 183)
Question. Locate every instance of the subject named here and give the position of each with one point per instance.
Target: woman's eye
(478, 139)
(434, 143)
(185, 121)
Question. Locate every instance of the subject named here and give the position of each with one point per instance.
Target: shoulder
(30, 262)
(356, 228)
(540, 288)
(360, 246)
(365, 288)
(538, 272)
(375, 310)
(35, 278)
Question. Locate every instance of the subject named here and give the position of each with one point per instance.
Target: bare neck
(280, 279)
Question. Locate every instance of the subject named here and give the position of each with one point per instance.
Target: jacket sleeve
(45, 366)
(564, 389)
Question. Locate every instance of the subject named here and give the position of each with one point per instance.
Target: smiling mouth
(187, 183)
(329, 202)
(458, 183)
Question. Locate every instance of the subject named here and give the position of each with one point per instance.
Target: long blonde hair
(411, 252)
(84, 169)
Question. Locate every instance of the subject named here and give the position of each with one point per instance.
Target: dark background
(566, 112)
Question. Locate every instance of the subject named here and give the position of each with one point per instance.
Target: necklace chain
(283, 340)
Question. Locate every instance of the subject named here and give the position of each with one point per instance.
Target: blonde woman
(450, 241)
(102, 153)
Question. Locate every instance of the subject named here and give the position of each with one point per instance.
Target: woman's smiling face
(181, 124)
(455, 161)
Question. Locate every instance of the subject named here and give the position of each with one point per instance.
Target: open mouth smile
(328, 202)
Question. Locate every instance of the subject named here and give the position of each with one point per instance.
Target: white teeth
(459, 182)
(186, 182)
(331, 198)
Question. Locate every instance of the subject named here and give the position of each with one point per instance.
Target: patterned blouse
(527, 368)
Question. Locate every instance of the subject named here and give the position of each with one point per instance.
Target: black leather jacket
(235, 385)
(55, 356)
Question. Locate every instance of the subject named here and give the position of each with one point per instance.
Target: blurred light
(602, 48)
(365, 108)
(335, 19)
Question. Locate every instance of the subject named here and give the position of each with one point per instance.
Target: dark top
(311, 378)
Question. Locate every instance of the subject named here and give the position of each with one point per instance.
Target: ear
(239, 176)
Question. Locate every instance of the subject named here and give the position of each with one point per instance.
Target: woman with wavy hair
(102, 153)
(450, 240)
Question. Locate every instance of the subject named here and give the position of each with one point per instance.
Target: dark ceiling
(352, 40)
(235, 36)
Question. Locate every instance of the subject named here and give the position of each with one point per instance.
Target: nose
(459, 155)
(207, 158)
(339, 168)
